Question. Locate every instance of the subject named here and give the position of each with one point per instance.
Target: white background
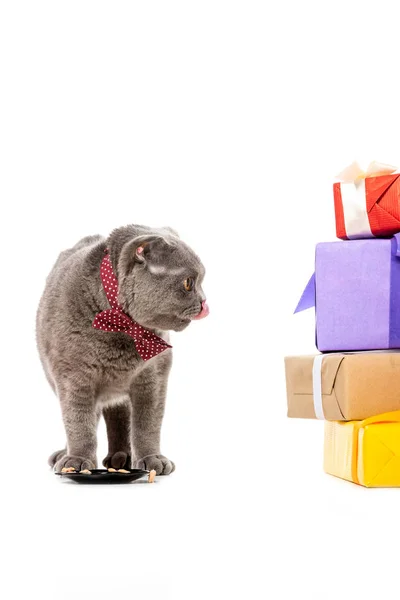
(228, 121)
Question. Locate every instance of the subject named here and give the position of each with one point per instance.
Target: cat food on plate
(68, 470)
(111, 470)
(100, 476)
(152, 476)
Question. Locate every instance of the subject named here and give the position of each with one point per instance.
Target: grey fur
(95, 372)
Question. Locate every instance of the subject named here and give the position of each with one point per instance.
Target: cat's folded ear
(144, 249)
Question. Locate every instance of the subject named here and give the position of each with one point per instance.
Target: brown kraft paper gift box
(354, 386)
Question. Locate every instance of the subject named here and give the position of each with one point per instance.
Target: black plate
(104, 476)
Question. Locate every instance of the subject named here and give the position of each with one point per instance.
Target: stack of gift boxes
(354, 383)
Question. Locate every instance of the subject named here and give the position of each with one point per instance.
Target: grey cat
(96, 372)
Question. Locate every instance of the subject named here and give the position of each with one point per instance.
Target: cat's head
(160, 281)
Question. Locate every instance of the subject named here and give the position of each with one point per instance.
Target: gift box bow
(354, 173)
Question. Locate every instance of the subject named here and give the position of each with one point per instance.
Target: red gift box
(366, 204)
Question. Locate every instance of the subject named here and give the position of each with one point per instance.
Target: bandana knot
(147, 343)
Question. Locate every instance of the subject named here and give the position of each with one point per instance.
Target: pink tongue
(204, 311)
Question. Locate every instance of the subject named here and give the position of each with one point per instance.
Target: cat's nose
(204, 311)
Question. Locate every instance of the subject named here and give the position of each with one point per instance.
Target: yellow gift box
(365, 452)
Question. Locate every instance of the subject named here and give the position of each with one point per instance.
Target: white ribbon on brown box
(317, 376)
(317, 386)
(354, 201)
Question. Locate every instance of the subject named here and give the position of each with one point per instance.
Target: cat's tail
(56, 456)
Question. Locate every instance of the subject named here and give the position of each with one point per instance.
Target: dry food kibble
(123, 471)
(86, 472)
(152, 476)
(111, 470)
(68, 470)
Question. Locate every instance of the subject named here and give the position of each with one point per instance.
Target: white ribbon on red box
(354, 201)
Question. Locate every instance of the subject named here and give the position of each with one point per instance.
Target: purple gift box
(356, 293)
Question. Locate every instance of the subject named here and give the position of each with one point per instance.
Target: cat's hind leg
(80, 418)
(58, 455)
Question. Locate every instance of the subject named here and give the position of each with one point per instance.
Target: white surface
(226, 120)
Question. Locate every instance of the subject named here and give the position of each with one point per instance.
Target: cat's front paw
(79, 463)
(161, 464)
(118, 460)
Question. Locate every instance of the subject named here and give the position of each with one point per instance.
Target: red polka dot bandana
(114, 319)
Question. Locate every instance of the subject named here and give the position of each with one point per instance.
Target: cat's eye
(188, 284)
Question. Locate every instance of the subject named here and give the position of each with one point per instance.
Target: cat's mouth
(205, 311)
(178, 322)
(190, 315)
